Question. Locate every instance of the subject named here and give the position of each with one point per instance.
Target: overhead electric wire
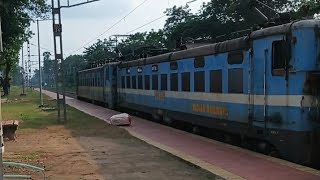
(147, 24)
(110, 27)
(41, 47)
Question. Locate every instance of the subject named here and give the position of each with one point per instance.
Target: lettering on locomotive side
(159, 95)
(214, 110)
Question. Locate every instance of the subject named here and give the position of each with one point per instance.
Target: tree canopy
(215, 18)
(16, 17)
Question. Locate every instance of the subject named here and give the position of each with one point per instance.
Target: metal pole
(57, 29)
(57, 38)
(56, 33)
(1, 48)
(40, 75)
(1, 131)
(29, 66)
(23, 73)
(62, 72)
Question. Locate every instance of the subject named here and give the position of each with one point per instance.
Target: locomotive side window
(134, 82)
(216, 81)
(97, 80)
(174, 82)
(164, 82)
(140, 84)
(174, 65)
(199, 62)
(92, 80)
(107, 74)
(199, 81)
(278, 57)
(235, 57)
(123, 82)
(185, 81)
(101, 76)
(147, 82)
(128, 82)
(155, 82)
(235, 80)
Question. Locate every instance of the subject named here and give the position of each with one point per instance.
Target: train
(263, 87)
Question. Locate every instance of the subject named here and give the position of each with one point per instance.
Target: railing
(27, 166)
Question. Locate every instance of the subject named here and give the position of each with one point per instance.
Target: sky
(83, 24)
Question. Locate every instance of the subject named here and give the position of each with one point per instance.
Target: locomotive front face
(296, 78)
(307, 60)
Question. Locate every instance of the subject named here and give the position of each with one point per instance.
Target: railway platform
(226, 161)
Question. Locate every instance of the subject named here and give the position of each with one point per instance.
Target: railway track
(71, 94)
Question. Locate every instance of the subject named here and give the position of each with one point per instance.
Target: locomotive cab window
(278, 57)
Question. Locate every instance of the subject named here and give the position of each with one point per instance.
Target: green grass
(26, 110)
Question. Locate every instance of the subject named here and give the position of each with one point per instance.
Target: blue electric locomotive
(263, 87)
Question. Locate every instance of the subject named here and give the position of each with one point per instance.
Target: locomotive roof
(221, 47)
(225, 46)
(100, 67)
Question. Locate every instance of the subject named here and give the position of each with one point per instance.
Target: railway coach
(98, 85)
(263, 88)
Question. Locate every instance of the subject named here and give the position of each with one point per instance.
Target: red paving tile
(236, 162)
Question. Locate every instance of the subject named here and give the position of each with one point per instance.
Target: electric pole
(27, 65)
(40, 75)
(58, 51)
(22, 72)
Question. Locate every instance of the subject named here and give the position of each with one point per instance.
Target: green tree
(216, 18)
(306, 8)
(99, 52)
(17, 76)
(142, 43)
(16, 17)
(48, 70)
(72, 65)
